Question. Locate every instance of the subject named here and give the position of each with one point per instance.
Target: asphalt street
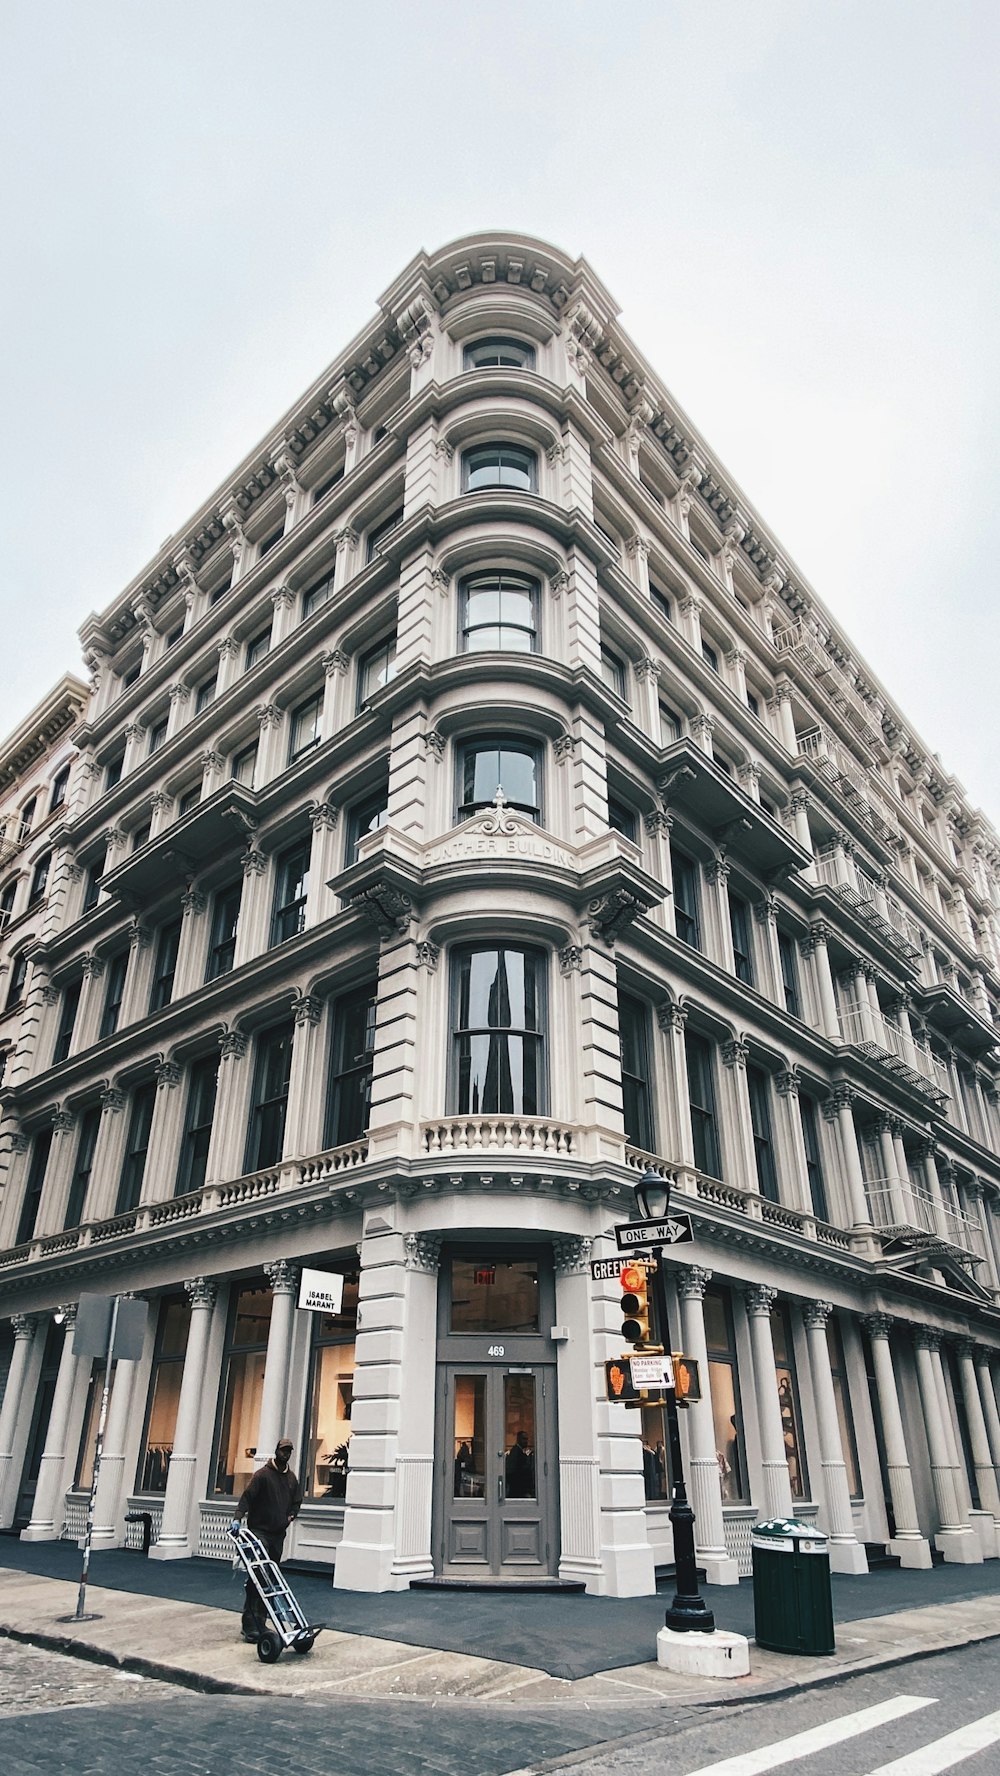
(917, 1719)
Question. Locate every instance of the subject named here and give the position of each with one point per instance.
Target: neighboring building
(474, 804)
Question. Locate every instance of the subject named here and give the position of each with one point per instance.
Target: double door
(496, 1470)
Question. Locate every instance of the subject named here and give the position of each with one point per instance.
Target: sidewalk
(178, 1621)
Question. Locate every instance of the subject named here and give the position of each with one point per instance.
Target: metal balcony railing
(831, 678)
(897, 1204)
(858, 785)
(905, 1056)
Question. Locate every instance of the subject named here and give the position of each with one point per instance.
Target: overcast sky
(794, 203)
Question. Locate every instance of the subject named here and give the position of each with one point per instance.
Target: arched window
(486, 765)
(40, 878)
(500, 465)
(499, 611)
(498, 1025)
(499, 354)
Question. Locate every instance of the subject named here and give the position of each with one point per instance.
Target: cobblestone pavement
(32, 1680)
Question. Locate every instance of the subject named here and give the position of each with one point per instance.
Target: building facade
(475, 807)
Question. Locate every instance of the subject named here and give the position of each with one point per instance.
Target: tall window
(157, 735)
(165, 966)
(663, 604)
(789, 974)
(686, 912)
(788, 1400)
(499, 611)
(351, 1068)
(113, 994)
(624, 820)
(244, 765)
(113, 769)
(28, 817)
(271, 541)
(242, 1384)
(324, 487)
(7, 899)
(365, 817)
(18, 976)
(498, 1031)
(763, 1140)
(633, 1024)
(814, 1158)
(67, 1021)
(90, 1124)
(40, 878)
(842, 1395)
(40, 1148)
(723, 1380)
(60, 784)
(499, 465)
(701, 1097)
(613, 672)
(305, 727)
(739, 925)
(671, 726)
(498, 354)
(317, 595)
(381, 531)
(331, 1396)
(164, 1393)
(291, 890)
(205, 694)
(376, 668)
(225, 921)
(488, 765)
(710, 656)
(91, 886)
(269, 1103)
(257, 648)
(198, 1124)
(136, 1148)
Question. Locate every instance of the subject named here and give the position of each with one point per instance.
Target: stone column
(740, 1155)
(284, 601)
(109, 1526)
(284, 1280)
(846, 1552)
(227, 1129)
(911, 1548)
(25, 1327)
(780, 707)
(991, 1413)
(815, 945)
(672, 1018)
(229, 651)
(955, 1540)
(777, 1485)
(956, 1450)
(840, 1104)
(304, 1110)
(173, 1542)
(47, 1509)
(321, 904)
(272, 745)
(718, 930)
(252, 932)
(765, 914)
(706, 1488)
(982, 1455)
(791, 1140)
(801, 802)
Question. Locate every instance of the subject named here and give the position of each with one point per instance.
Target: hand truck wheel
(303, 1643)
(269, 1649)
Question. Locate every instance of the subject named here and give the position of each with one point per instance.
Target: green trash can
(792, 1597)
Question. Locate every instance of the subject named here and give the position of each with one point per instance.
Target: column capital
(570, 958)
(283, 1276)
(877, 1325)
(658, 823)
(24, 1325)
(672, 1016)
(227, 648)
(787, 1084)
(819, 937)
(323, 816)
(201, 1292)
(68, 1309)
(233, 1044)
(965, 1347)
(282, 597)
(168, 1073)
(193, 902)
(735, 1053)
(760, 1299)
(925, 1338)
(268, 716)
(112, 1099)
(692, 1281)
(572, 1254)
(422, 1253)
(427, 955)
(816, 1313)
(717, 872)
(766, 911)
(307, 1009)
(334, 660)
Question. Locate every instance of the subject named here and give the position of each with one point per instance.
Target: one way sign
(637, 1235)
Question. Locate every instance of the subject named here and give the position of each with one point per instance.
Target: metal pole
(82, 1615)
(689, 1610)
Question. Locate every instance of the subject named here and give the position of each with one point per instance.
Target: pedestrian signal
(687, 1379)
(636, 1328)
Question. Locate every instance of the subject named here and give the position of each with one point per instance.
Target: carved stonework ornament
(388, 908)
(254, 861)
(610, 914)
(877, 1325)
(572, 1254)
(112, 1100)
(201, 1292)
(736, 1053)
(692, 1281)
(169, 1074)
(323, 816)
(816, 1313)
(671, 1016)
(926, 1340)
(658, 824)
(23, 1326)
(441, 580)
(427, 955)
(269, 716)
(233, 1045)
(282, 1276)
(422, 1252)
(435, 743)
(759, 1298)
(570, 957)
(787, 1084)
(307, 1009)
(562, 749)
(193, 902)
(335, 660)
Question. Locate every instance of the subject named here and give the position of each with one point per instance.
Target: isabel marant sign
(321, 1291)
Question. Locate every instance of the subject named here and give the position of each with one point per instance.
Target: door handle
(499, 1489)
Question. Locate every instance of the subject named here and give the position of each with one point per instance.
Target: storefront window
(331, 1393)
(243, 1384)
(494, 1296)
(841, 1393)
(724, 1390)
(788, 1400)
(164, 1393)
(655, 1474)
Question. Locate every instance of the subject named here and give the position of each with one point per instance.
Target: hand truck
(287, 1626)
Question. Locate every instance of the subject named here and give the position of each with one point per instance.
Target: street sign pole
(689, 1609)
(82, 1615)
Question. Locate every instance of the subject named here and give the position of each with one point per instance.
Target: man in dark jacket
(269, 1503)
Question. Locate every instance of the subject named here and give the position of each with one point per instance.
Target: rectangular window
(198, 1125)
(753, 704)
(157, 735)
(90, 1124)
(130, 674)
(40, 879)
(173, 638)
(222, 588)
(814, 1160)
(269, 1103)
(324, 487)
(351, 1066)
(136, 1149)
(304, 732)
(789, 974)
(291, 890)
(188, 799)
(40, 1148)
(710, 656)
(271, 541)
(141, 834)
(633, 1025)
(225, 922)
(242, 1384)
(723, 1379)
(685, 882)
(331, 1395)
(381, 531)
(164, 1393)
(498, 1032)
(498, 612)
(18, 976)
(623, 820)
(842, 1395)
(613, 672)
(763, 1140)
(739, 925)
(365, 817)
(59, 788)
(513, 766)
(701, 1097)
(788, 1400)
(671, 726)
(113, 994)
(67, 1021)
(245, 765)
(258, 647)
(205, 693)
(662, 602)
(375, 669)
(165, 966)
(317, 596)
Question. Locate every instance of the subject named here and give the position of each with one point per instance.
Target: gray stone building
(475, 805)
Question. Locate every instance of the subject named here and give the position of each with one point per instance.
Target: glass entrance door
(498, 1479)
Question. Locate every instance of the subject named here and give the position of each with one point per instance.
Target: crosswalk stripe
(847, 1726)
(946, 1752)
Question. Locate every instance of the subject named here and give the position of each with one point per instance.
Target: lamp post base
(689, 1615)
(715, 1655)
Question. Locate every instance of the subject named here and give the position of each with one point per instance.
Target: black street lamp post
(689, 1611)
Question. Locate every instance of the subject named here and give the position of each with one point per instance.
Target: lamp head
(652, 1196)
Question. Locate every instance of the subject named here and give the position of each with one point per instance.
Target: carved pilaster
(422, 1252)
(572, 1255)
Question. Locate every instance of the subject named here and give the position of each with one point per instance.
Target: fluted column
(986, 1479)
(955, 1540)
(703, 1462)
(991, 1412)
(223, 1160)
(846, 1552)
(25, 1327)
(910, 1547)
(303, 1130)
(815, 945)
(672, 1019)
(777, 1484)
(47, 1508)
(740, 1156)
(173, 1542)
(108, 1531)
(840, 1105)
(284, 1280)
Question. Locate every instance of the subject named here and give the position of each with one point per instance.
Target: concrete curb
(83, 1649)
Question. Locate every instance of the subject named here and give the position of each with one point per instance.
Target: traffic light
(687, 1379)
(636, 1307)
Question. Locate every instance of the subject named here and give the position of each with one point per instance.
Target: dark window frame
(614, 671)
(637, 1074)
(522, 355)
(386, 646)
(762, 1124)
(700, 1071)
(350, 1072)
(257, 648)
(313, 703)
(60, 784)
(511, 458)
(40, 879)
(741, 930)
(288, 912)
(168, 941)
(18, 977)
(463, 1033)
(364, 817)
(199, 1116)
(508, 581)
(83, 1166)
(222, 948)
(485, 743)
(268, 1108)
(379, 532)
(67, 1020)
(34, 1185)
(809, 1118)
(789, 973)
(134, 1161)
(114, 992)
(686, 898)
